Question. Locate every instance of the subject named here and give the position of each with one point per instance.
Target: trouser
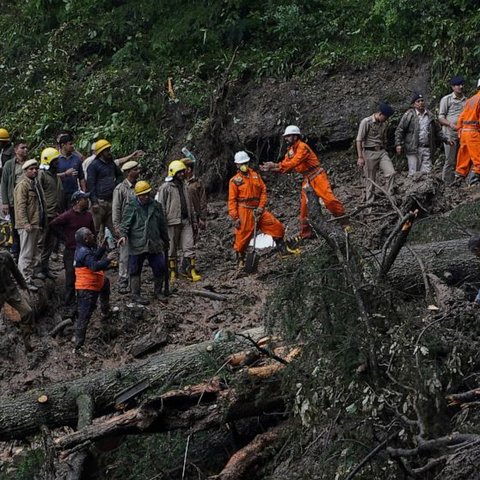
(420, 161)
(155, 260)
(469, 153)
(181, 238)
(48, 242)
(123, 264)
(451, 151)
(70, 296)
(15, 234)
(87, 303)
(375, 160)
(102, 218)
(267, 223)
(322, 188)
(30, 254)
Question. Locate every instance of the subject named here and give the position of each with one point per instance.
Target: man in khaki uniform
(371, 149)
(122, 195)
(9, 292)
(451, 107)
(30, 220)
(196, 189)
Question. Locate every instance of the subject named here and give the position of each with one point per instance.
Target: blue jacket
(102, 178)
(90, 257)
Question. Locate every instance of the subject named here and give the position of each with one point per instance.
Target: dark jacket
(102, 178)
(53, 191)
(8, 182)
(145, 227)
(91, 257)
(66, 224)
(408, 130)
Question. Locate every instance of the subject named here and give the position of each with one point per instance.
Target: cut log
(251, 455)
(23, 415)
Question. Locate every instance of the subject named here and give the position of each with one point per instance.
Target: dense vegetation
(101, 67)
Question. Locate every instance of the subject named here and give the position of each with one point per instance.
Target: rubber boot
(192, 273)
(283, 248)
(135, 289)
(240, 260)
(172, 269)
(158, 287)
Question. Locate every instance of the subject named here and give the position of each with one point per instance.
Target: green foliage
(26, 466)
(101, 67)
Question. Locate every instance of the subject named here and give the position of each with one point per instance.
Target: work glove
(237, 223)
(258, 211)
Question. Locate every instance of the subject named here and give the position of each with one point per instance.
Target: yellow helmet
(175, 167)
(101, 145)
(4, 135)
(48, 154)
(142, 187)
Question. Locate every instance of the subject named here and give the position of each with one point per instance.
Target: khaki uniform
(373, 134)
(122, 195)
(29, 205)
(450, 109)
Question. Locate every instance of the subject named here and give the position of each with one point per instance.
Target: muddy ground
(185, 318)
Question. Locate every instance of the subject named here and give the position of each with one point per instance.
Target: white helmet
(292, 130)
(241, 157)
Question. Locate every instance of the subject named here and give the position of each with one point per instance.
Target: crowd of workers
(86, 202)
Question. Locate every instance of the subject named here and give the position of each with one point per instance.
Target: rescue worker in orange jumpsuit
(301, 158)
(468, 127)
(247, 197)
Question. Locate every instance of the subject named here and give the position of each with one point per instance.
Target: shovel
(251, 260)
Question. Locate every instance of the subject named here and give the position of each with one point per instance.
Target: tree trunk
(24, 414)
(450, 260)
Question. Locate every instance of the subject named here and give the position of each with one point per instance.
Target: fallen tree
(56, 405)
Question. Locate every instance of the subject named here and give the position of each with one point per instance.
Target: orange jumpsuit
(468, 125)
(301, 158)
(246, 192)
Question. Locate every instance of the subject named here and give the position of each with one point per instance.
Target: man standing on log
(90, 282)
(302, 159)
(247, 198)
(123, 193)
(371, 145)
(417, 135)
(450, 108)
(468, 126)
(145, 228)
(9, 293)
(30, 220)
(65, 226)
